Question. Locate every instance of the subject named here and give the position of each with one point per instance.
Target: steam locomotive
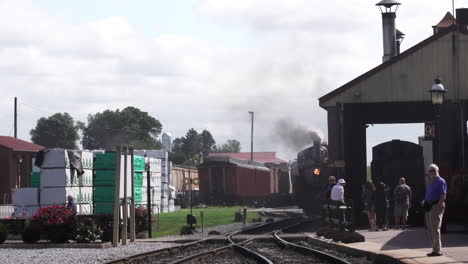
(310, 175)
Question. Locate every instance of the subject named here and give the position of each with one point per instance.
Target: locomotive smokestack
(388, 9)
(317, 148)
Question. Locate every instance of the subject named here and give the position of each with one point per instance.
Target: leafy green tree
(207, 143)
(191, 145)
(232, 146)
(56, 131)
(129, 126)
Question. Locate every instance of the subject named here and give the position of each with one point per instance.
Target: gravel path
(75, 255)
(82, 256)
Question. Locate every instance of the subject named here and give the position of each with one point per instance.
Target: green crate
(36, 179)
(103, 194)
(104, 161)
(138, 194)
(138, 163)
(103, 208)
(138, 179)
(104, 178)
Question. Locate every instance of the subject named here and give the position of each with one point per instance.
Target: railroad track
(258, 244)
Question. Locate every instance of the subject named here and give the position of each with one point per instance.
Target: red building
(15, 165)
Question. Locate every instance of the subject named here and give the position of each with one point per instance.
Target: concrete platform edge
(403, 256)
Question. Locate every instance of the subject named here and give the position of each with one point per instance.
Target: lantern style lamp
(437, 92)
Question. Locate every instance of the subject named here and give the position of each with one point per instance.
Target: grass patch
(171, 223)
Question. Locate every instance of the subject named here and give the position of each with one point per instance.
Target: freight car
(311, 177)
(229, 181)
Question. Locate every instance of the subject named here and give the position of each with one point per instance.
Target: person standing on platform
(402, 203)
(337, 192)
(435, 197)
(368, 198)
(381, 205)
(331, 183)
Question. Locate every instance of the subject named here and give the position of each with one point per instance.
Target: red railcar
(226, 180)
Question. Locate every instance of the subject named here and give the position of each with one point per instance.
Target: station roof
(18, 144)
(408, 77)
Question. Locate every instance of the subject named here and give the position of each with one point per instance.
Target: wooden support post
(125, 203)
(116, 222)
(132, 199)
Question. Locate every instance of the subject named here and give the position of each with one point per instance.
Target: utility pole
(16, 118)
(251, 135)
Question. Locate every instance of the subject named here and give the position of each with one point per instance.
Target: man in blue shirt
(435, 195)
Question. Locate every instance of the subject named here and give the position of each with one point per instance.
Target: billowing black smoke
(293, 135)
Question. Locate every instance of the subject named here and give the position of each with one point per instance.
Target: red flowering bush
(141, 219)
(57, 222)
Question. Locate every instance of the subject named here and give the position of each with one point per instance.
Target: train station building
(425, 84)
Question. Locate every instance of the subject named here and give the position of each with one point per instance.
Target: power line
(36, 108)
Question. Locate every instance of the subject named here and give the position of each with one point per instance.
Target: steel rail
(308, 250)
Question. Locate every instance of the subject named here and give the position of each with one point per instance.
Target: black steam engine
(311, 179)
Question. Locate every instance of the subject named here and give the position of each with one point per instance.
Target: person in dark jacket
(368, 199)
(331, 183)
(381, 205)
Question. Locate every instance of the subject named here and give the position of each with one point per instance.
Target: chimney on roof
(462, 18)
(444, 24)
(388, 9)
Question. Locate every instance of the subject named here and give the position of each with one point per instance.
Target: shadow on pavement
(418, 238)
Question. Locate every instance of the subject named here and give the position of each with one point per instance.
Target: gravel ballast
(81, 256)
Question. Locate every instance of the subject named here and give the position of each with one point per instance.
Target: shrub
(87, 231)
(3, 233)
(31, 233)
(141, 219)
(57, 222)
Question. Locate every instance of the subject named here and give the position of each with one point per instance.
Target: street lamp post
(437, 97)
(251, 135)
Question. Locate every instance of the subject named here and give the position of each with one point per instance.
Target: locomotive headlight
(316, 171)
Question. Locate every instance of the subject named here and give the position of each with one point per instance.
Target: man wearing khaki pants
(435, 195)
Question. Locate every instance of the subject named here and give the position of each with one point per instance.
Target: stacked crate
(85, 183)
(58, 180)
(35, 175)
(25, 201)
(154, 171)
(104, 181)
(163, 157)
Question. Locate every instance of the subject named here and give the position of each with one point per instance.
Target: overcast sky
(196, 63)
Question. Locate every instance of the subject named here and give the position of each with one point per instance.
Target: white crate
(85, 195)
(26, 211)
(60, 177)
(57, 195)
(154, 164)
(25, 196)
(161, 154)
(87, 160)
(55, 158)
(85, 209)
(86, 180)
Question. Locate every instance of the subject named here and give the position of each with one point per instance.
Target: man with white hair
(337, 192)
(71, 204)
(435, 197)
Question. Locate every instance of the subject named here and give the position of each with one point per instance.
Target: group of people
(376, 202)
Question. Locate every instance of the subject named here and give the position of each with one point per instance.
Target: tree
(56, 131)
(207, 143)
(130, 127)
(232, 146)
(191, 145)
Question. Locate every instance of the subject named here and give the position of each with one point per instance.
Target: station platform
(411, 245)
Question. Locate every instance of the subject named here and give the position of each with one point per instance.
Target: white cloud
(300, 50)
